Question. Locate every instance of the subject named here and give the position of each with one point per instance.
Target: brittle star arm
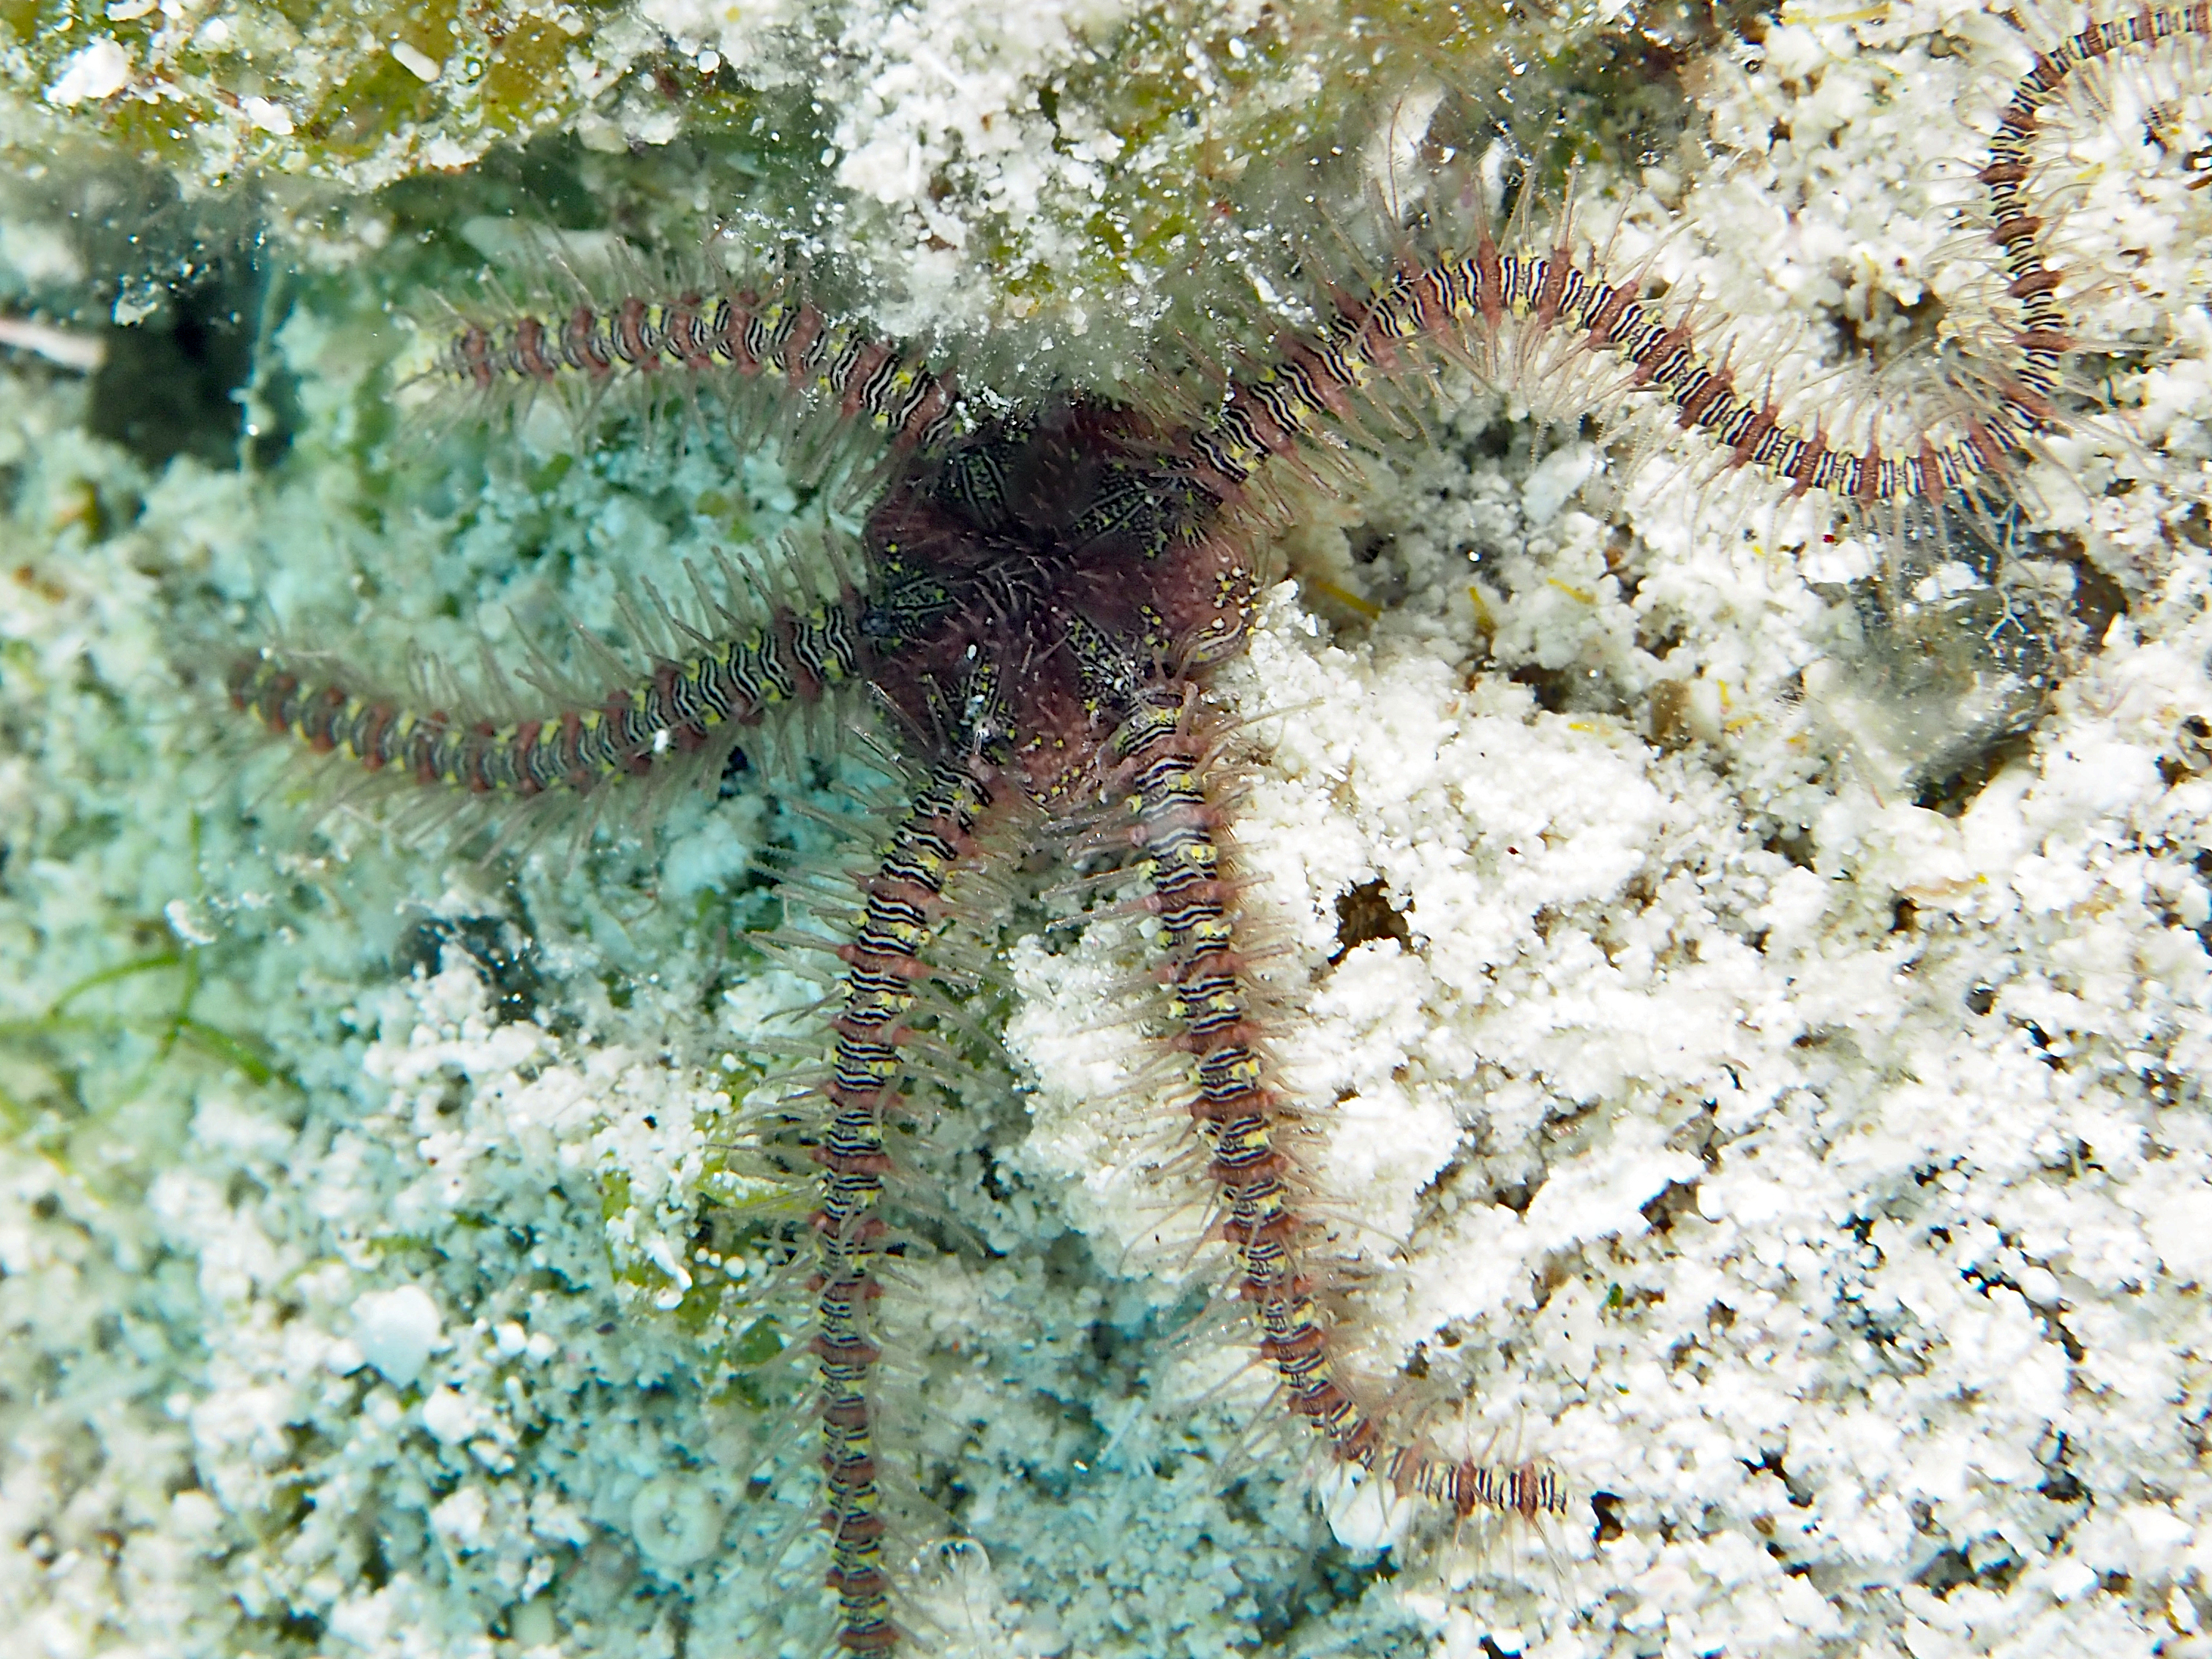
(780, 341)
(1538, 318)
(677, 708)
(1238, 1111)
(905, 898)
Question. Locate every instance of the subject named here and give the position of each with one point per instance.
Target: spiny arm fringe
(1238, 1116)
(1515, 314)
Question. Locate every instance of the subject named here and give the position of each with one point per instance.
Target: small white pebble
(99, 71)
(267, 115)
(448, 1417)
(418, 64)
(397, 1330)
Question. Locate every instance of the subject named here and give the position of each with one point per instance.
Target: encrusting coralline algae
(1817, 1178)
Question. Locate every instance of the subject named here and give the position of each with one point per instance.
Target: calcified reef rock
(1048, 154)
(1766, 1063)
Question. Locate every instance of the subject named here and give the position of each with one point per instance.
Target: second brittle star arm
(780, 341)
(676, 708)
(1238, 1113)
(905, 898)
(1531, 315)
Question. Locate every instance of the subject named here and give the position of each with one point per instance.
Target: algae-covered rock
(360, 94)
(973, 164)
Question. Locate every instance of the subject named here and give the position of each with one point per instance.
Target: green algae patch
(523, 75)
(378, 97)
(356, 93)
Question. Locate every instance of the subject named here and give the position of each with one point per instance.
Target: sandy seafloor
(1820, 1180)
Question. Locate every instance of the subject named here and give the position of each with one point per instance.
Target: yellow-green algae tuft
(1094, 172)
(358, 94)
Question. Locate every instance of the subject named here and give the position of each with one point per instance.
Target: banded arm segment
(905, 898)
(775, 341)
(1523, 309)
(1238, 1113)
(678, 708)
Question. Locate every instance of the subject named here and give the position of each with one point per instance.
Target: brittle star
(1037, 604)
